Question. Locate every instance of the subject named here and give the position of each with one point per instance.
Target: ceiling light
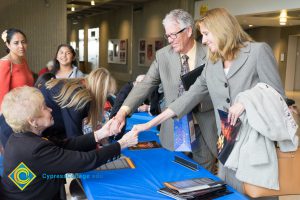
(283, 17)
(282, 20)
(92, 2)
(283, 14)
(250, 25)
(73, 9)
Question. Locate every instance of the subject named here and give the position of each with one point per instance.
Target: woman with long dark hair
(14, 68)
(65, 63)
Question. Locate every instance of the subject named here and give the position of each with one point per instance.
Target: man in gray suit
(166, 69)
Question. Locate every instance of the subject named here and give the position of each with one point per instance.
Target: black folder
(189, 78)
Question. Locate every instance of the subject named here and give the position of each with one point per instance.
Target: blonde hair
(21, 104)
(92, 89)
(229, 35)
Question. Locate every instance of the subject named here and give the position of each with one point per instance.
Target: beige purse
(289, 177)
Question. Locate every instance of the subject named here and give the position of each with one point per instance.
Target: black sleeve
(80, 143)
(73, 120)
(120, 98)
(154, 102)
(5, 131)
(56, 160)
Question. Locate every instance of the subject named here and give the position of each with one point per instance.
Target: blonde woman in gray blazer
(235, 64)
(166, 70)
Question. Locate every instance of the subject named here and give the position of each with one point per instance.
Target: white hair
(179, 16)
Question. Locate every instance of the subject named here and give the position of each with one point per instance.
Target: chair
(76, 190)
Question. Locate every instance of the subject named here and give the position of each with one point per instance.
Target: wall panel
(45, 27)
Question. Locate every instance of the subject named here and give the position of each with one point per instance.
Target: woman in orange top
(13, 67)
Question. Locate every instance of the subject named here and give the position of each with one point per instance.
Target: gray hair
(179, 16)
(26, 102)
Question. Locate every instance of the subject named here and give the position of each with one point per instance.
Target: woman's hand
(129, 139)
(234, 112)
(104, 131)
(140, 127)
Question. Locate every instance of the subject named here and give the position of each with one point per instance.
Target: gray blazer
(166, 69)
(254, 63)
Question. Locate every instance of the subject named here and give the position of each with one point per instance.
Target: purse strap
(11, 68)
(10, 75)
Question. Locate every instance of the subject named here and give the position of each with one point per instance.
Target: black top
(5, 131)
(120, 98)
(67, 121)
(153, 100)
(43, 157)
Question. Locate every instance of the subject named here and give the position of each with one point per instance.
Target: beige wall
(285, 33)
(44, 26)
(131, 23)
(270, 35)
(277, 38)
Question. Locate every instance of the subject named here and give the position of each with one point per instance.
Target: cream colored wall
(277, 38)
(270, 35)
(132, 23)
(44, 26)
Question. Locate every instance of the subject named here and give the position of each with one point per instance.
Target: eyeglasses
(173, 35)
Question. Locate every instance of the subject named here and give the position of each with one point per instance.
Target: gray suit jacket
(254, 63)
(166, 69)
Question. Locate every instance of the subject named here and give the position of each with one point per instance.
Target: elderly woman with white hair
(29, 157)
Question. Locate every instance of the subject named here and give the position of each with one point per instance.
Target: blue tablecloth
(153, 167)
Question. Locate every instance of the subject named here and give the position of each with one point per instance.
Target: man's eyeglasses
(173, 35)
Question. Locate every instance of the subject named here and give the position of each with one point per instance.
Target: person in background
(48, 68)
(29, 118)
(151, 105)
(166, 69)
(73, 100)
(43, 79)
(13, 67)
(65, 63)
(123, 93)
(236, 63)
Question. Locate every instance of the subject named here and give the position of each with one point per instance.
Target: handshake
(115, 125)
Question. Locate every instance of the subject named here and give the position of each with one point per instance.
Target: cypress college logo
(21, 176)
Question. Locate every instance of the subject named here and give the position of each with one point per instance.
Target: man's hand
(118, 122)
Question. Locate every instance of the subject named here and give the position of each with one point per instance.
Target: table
(153, 167)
